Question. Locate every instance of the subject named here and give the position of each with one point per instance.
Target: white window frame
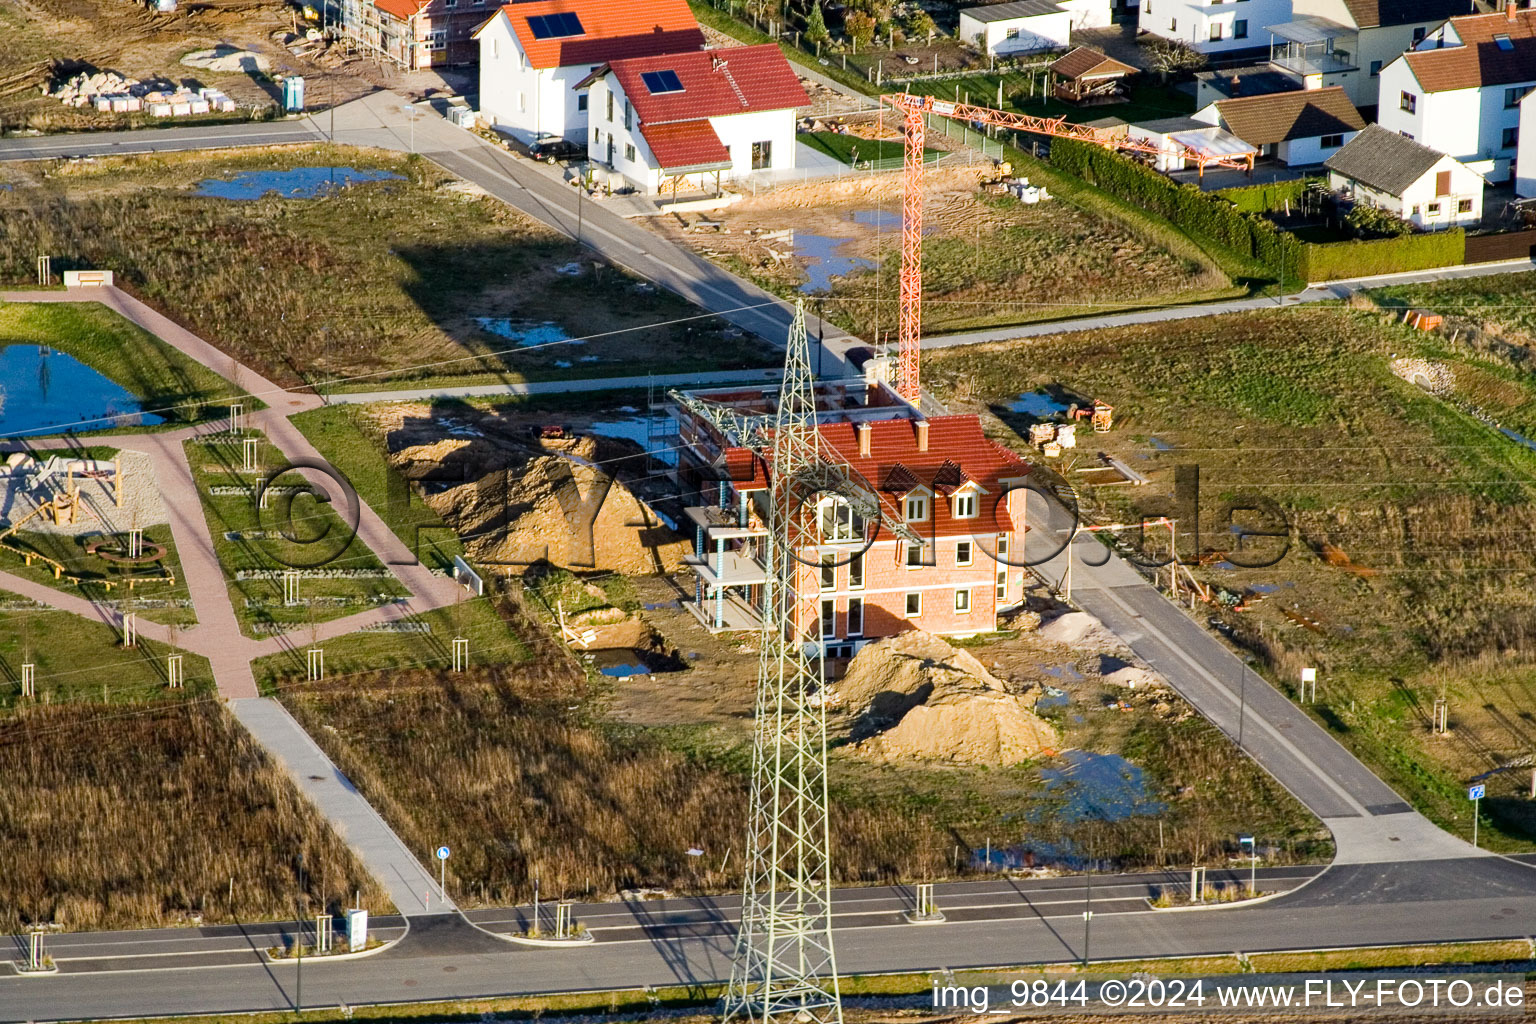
(918, 503)
(856, 578)
(827, 631)
(907, 557)
(966, 505)
(964, 553)
(914, 598)
(962, 600)
(826, 573)
(855, 602)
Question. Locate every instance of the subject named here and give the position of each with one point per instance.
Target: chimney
(1237, 83)
(922, 435)
(865, 431)
(1509, 11)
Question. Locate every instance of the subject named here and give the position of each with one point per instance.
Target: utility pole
(784, 967)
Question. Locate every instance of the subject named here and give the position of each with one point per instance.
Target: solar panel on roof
(659, 82)
(555, 26)
(1503, 42)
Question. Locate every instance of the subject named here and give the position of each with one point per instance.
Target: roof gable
(1280, 117)
(1384, 160)
(1085, 61)
(714, 83)
(1378, 13)
(610, 30)
(1480, 60)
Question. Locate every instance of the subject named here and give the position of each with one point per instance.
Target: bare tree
(1170, 57)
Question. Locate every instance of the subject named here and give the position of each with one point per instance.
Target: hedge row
(1264, 198)
(1201, 213)
(1385, 255)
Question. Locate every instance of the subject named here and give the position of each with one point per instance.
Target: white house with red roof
(958, 496)
(1460, 90)
(533, 54)
(694, 119)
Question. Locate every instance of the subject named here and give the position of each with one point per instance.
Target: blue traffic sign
(1476, 792)
(442, 853)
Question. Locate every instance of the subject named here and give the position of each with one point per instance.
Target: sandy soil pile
(918, 697)
(520, 502)
(1082, 631)
(551, 509)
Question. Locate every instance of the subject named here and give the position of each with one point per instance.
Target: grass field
(883, 154)
(296, 532)
(521, 788)
(1428, 505)
(1498, 305)
(80, 659)
(167, 815)
(460, 287)
(165, 381)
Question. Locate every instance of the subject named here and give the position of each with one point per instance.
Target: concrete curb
(327, 958)
(1255, 901)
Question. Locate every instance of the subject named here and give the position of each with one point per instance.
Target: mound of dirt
(566, 513)
(227, 59)
(918, 697)
(1080, 630)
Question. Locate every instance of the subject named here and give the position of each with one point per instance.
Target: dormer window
(965, 505)
(916, 510)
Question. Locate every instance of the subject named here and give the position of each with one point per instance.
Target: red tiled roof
(613, 29)
(1479, 60)
(685, 144)
(956, 448)
(402, 9)
(715, 83)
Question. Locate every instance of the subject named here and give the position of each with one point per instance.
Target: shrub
(1369, 220)
(860, 27)
(1265, 198)
(1200, 213)
(1384, 255)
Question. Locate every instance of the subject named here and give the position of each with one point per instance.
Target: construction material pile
(513, 509)
(918, 697)
(110, 92)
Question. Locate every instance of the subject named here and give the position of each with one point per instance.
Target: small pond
(41, 389)
(823, 262)
(298, 183)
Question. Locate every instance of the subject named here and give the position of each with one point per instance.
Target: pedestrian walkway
(412, 889)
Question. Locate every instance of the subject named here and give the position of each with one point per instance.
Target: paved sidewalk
(412, 889)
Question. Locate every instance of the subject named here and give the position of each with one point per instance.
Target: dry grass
(275, 281)
(140, 818)
(1298, 406)
(496, 765)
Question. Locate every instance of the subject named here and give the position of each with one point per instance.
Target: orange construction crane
(914, 110)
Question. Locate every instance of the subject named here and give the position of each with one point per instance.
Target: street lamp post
(410, 115)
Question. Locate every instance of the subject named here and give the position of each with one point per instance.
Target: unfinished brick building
(955, 492)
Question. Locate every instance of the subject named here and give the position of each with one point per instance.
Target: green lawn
(1499, 304)
(79, 659)
(338, 432)
(491, 642)
(884, 154)
(166, 382)
(293, 532)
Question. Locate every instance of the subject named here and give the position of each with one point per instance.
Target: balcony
(1312, 46)
(721, 524)
(727, 569)
(725, 612)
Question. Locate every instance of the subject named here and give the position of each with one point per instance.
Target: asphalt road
(995, 923)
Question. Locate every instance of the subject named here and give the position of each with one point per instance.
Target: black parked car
(553, 148)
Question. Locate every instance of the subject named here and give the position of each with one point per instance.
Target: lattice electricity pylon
(784, 966)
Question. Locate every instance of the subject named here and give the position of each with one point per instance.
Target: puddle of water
(1104, 786)
(633, 428)
(1067, 672)
(623, 670)
(1160, 444)
(620, 663)
(527, 333)
(1037, 404)
(1226, 565)
(1264, 588)
(41, 388)
(298, 183)
(822, 261)
(881, 219)
(1052, 698)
